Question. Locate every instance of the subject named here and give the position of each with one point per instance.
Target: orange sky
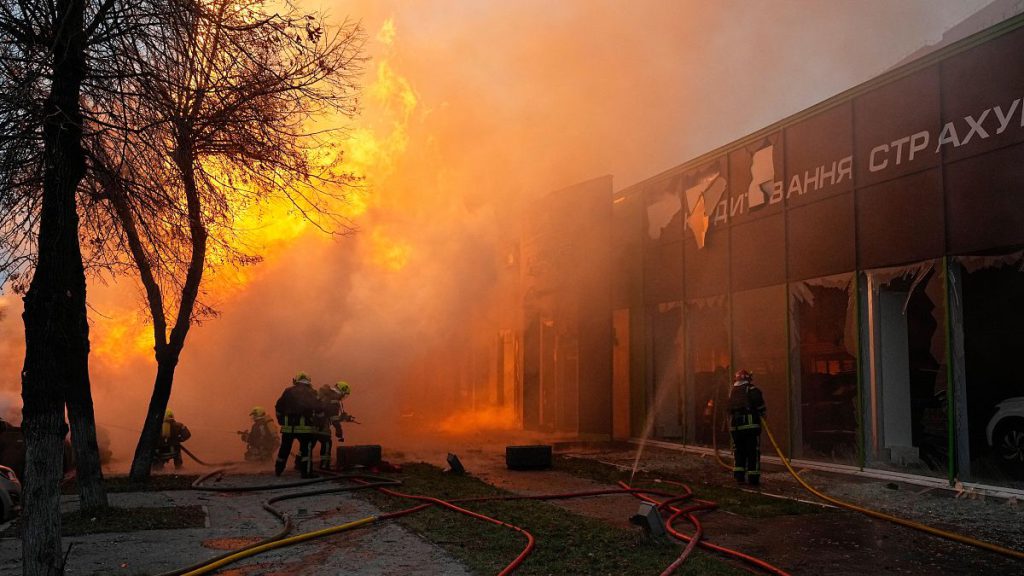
(471, 109)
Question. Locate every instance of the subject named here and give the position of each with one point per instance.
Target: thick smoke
(473, 110)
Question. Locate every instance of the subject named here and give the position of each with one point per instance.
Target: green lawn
(728, 497)
(567, 543)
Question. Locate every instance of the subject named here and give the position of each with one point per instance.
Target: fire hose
(882, 516)
(765, 566)
(278, 539)
(867, 511)
(678, 513)
(200, 462)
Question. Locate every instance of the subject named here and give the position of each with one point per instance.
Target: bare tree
(44, 64)
(219, 119)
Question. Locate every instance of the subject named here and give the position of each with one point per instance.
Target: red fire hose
(704, 544)
(530, 541)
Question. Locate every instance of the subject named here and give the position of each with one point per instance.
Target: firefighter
(746, 409)
(332, 414)
(343, 391)
(296, 411)
(261, 440)
(168, 446)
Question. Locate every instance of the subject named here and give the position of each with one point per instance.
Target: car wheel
(1008, 442)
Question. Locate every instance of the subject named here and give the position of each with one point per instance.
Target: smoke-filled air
(469, 112)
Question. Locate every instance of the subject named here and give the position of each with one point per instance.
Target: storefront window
(906, 396)
(992, 315)
(759, 345)
(667, 349)
(707, 370)
(823, 333)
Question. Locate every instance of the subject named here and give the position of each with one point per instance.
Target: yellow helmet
(257, 411)
(301, 378)
(343, 388)
(169, 414)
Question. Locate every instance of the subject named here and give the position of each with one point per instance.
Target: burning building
(864, 258)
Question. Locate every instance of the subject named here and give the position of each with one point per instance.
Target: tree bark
(167, 355)
(87, 452)
(56, 327)
(142, 463)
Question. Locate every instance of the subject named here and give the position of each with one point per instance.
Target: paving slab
(235, 519)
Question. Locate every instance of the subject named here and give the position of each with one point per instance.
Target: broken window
(759, 345)
(906, 396)
(666, 377)
(824, 369)
(707, 370)
(991, 310)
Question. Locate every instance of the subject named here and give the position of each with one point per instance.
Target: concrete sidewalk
(236, 519)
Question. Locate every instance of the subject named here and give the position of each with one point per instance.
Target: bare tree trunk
(142, 463)
(40, 518)
(56, 329)
(167, 355)
(87, 453)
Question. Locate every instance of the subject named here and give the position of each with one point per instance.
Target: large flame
(372, 150)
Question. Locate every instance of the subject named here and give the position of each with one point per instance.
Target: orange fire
(487, 419)
(372, 148)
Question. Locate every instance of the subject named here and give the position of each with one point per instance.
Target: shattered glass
(824, 368)
(906, 383)
(707, 370)
(991, 308)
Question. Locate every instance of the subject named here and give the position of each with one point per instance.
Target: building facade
(863, 258)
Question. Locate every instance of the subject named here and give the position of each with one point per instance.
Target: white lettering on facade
(875, 166)
(947, 136)
(794, 186)
(830, 175)
(974, 127)
(1004, 119)
(811, 182)
(845, 168)
(736, 205)
(721, 213)
(898, 145)
(918, 142)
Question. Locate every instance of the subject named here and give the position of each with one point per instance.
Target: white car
(1005, 434)
(10, 494)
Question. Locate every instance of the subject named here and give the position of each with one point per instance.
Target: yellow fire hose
(280, 543)
(882, 516)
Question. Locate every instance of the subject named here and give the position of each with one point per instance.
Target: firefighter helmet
(169, 414)
(743, 376)
(301, 378)
(257, 411)
(343, 388)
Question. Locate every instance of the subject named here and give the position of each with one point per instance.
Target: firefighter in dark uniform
(331, 416)
(261, 439)
(168, 446)
(746, 408)
(296, 411)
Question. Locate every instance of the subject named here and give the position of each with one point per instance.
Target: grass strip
(121, 484)
(728, 497)
(567, 543)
